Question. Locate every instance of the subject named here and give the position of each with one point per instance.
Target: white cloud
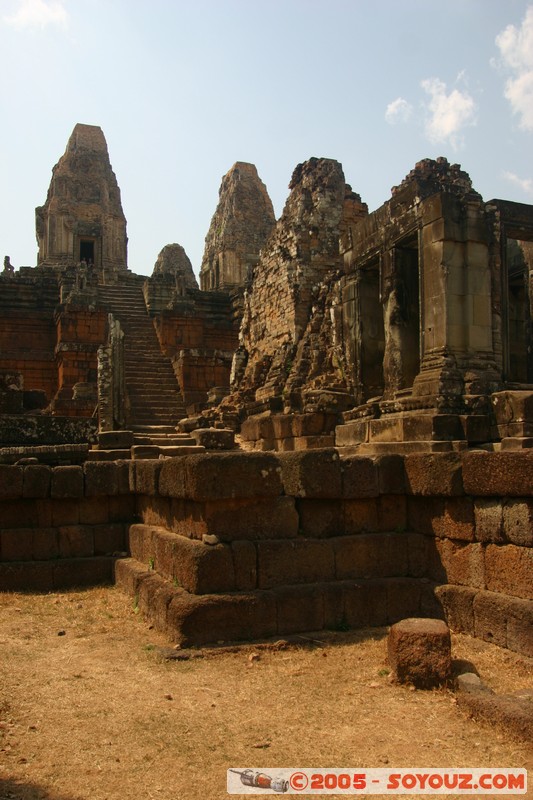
(449, 112)
(516, 49)
(526, 184)
(398, 111)
(38, 13)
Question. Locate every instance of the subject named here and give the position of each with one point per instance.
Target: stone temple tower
(82, 219)
(240, 226)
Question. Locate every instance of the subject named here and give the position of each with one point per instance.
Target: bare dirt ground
(89, 709)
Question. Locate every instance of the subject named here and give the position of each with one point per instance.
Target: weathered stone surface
(498, 474)
(106, 478)
(221, 476)
(10, 481)
(36, 481)
(518, 522)
(264, 518)
(214, 438)
(419, 652)
(488, 513)
(455, 519)
(463, 563)
(360, 477)
(504, 621)
(67, 482)
(288, 562)
(316, 474)
(82, 219)
(242, 222)
(434, 474)
(509, 570)
(196, 620)
(115, 440)
(174, 262)
(514, 714)
(457, 603)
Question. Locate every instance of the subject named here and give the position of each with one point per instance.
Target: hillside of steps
(153, 392)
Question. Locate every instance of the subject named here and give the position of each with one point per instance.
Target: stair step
(197, 619)
(157, 429)
(162, 441)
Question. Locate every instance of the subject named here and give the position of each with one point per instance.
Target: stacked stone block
(248, 545)
(62, 526)
(237, 545)
(288, 432)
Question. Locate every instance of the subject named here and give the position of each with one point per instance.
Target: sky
(183, 89)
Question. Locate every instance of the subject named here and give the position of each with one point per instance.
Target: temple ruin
(82, 219)
(371, 374)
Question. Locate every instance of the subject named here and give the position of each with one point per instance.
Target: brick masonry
(240, 545)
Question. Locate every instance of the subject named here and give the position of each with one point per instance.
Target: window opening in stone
(518, 312)
(87, 250)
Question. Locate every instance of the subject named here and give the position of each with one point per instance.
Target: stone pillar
(112, 399)
(457, 338)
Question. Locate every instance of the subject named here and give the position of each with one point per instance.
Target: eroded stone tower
(300, 256)
(239, 229)
(82, 218)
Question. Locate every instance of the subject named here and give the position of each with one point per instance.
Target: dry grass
(97, 714)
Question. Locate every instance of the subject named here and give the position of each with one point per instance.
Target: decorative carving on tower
(82, 220)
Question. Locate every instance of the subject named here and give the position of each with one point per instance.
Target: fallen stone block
(512, 712)
(214, 438)
(419, 652)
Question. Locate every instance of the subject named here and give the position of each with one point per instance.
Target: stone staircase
(153, 392)
(151, 441)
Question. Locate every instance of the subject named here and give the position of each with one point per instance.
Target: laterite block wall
(239, 545)
(62, 526)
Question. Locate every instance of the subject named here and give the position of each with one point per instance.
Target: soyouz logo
(306, 781)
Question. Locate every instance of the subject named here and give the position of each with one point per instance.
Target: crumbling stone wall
(286, 308)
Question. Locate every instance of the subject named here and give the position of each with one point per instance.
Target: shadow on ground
(17, 790)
